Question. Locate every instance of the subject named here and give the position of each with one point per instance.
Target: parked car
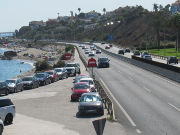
(103, 62)
(53, 75)
(71, 71)
(78, 89)
(121, 51)
(91, 102)
(107, 47)
(1, 127)
(136, 53)
(172, 59)
(144, 53)
(89, 80)
(87, 52)
(7, 110)
(15, 85)
(147, 57)
(30, 82)
(83, 47)
(62, 72)
(4, 89)
(75, 65)
(79, 77)
(98, 51)
(43, 78)
(127, 50)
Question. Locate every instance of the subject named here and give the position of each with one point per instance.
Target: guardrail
(100, 89)
(159, 57)
(155, 63)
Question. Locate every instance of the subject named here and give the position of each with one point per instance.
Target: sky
(17, 13)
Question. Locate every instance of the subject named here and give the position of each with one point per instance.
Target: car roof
(81, 83)
(2, 98)
(86, 79)
(27, 76)
(49, 71)
(103, 57)
(91, 93)
(13, 79)
(58, 68)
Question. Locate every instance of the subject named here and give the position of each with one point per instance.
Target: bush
(59, 64)
(42, 66)
(69, 48)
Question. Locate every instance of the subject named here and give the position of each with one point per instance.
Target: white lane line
(173, 106)
(138, 131)
(148, 90)
(119, 105)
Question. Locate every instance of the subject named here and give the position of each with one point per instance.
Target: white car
(89, 80)
(147, 57)
(1, 127)
(91, 54)
(7, 110)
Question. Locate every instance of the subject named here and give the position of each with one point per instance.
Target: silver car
(91, 103)
(15, 85)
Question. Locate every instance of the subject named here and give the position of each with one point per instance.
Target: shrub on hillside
(59, 64)
(42, 66)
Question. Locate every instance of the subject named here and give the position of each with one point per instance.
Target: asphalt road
(151, 102)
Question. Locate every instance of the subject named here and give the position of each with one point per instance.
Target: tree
(79, 9)
(175, 24)
(104, 10)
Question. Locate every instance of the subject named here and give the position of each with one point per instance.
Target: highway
(115, 50)
(151, 102)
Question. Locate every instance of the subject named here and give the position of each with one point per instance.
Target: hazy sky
(17, 13)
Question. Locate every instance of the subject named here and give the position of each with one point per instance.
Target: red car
(53, 75)
(78, 89)
(107, 47)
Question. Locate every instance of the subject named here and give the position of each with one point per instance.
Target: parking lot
(48, 110)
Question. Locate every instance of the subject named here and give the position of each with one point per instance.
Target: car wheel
(1, 129)
(8, 119)
(7, 92)
(22, 88)
(66, 75)
(15, 90)
(32, 87)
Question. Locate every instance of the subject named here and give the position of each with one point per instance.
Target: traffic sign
(92, 62)
(110, 37)
(68, 56)
(99, 126)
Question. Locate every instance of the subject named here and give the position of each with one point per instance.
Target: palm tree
(79, 9)
(104, 10)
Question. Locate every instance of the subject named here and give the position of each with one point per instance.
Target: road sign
(99, 126)
(110, 37)
(68, 56)
(92, 62)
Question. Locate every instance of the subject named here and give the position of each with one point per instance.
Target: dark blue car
(43, 78)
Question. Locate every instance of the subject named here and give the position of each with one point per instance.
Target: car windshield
(27, 79)
(89, 81)
(50, 73)
(78, 78)
(58, 70)
(103, 59)
(39, 75)
(81, 86)
(70, 65)
(90, 98)
(10, 81)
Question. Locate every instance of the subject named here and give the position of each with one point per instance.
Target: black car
(4, 88)
(43, 78)
(121, 51)
(172, 59)
(91, 102)
(30, 82)
(127, 50)
(103, 62)
(136, 53)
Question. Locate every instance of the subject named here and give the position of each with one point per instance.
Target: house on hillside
(175, 7)
(36, 24)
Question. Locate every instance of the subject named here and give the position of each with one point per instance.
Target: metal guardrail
(100, 89)
(159, 57)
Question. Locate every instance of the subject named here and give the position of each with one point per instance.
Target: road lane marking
(173, 106)
(148, 90)
(138, 131)
(120, 106)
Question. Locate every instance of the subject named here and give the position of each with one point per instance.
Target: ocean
(13, 68)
